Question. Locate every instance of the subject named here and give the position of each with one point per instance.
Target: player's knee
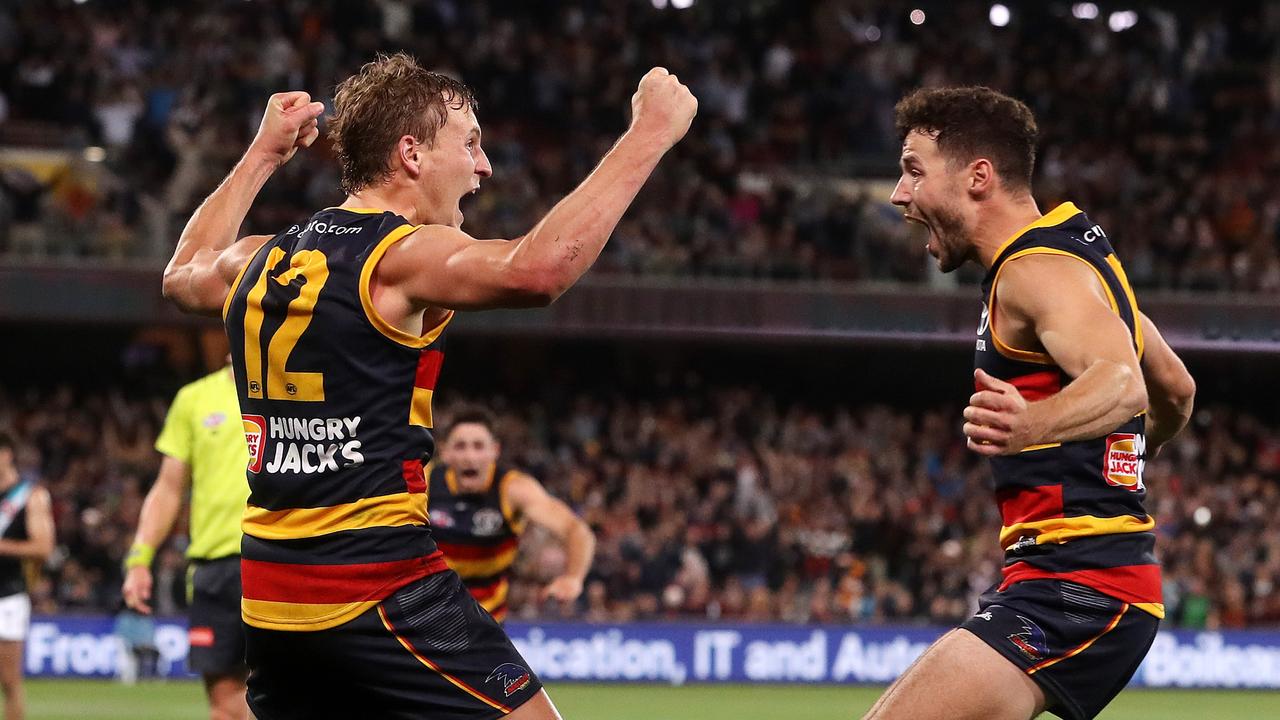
(11, 686)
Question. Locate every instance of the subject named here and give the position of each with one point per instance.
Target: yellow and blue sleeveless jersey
(1074, 510)
(479, 534)
(336, 406)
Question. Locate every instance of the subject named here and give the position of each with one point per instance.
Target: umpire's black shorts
(427, 651)
(216, 632)
(1079, 645)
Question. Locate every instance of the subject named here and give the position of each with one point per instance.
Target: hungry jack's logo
(255, 435)
(1123, 461)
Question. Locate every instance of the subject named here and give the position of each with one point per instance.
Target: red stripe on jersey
(1037, 386)
(484, 592)
(414, 481)
(1129, 583)
(476, 552)
(1028, 504)
(429, 363)
(317, 584)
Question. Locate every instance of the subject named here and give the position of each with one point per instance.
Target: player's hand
(998, 420)
(290, 122)
(137, 589)
(662, 107)
(565, 588)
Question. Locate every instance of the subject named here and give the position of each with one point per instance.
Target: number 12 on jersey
(312, 266)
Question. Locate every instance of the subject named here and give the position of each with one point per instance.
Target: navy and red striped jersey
(336, 404)
(479, 533)
(1072, 510)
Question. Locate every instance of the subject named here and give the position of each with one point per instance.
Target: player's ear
(981, 177)
(409, 155)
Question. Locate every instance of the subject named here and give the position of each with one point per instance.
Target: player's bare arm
(530, 499)
(444, 267)
(159, 512)
(40, 537)
(208, 255)
(1171, 390)
(1057, 304)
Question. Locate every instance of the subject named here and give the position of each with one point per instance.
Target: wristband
(140, 555)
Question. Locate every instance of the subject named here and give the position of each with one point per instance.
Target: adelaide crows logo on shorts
(512, 677)
(1031, 642)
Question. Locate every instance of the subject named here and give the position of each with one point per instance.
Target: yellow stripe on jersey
(366, 299)
(420, 408)
(1061, 530)
(293, 524)
(1155, 609)
(270, 615)
(495, 601)
(1056, 216)
(483, 568)
(514, 518)
(1118, 269)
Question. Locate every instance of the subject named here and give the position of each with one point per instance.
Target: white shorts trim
(15, 617)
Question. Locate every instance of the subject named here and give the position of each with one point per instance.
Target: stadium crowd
(1165, 132)
(718, 503)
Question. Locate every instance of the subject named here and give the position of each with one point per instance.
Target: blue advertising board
(679, 653)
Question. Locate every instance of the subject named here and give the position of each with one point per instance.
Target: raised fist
(663, 107)
(288, 124)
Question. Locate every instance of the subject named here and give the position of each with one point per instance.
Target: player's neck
(401, 200)
(998, 222)
(383, 199)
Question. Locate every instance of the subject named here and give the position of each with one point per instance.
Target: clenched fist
(288, 124)
(663, 107)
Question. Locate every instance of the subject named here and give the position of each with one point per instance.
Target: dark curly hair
(472, 414)
(974, 122)
(387, 99)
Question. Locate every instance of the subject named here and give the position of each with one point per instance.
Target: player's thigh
(960, 677)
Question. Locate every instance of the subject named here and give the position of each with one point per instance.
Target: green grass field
(88, 700)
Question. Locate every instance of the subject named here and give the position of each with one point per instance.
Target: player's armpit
(442, 266)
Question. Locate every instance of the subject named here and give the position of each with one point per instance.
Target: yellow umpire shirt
(203, 430)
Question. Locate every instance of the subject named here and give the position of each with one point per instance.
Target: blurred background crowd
(720, 502)
(128, 112)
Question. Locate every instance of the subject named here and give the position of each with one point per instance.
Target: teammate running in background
(26, 538)
(336, 327)
(203, 444)
(1075, 388)
(479, 509)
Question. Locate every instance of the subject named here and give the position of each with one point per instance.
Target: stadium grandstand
(754, 399)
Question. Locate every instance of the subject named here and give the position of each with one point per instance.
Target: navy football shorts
(427, 651)
(217, 633)
(1079, 645)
